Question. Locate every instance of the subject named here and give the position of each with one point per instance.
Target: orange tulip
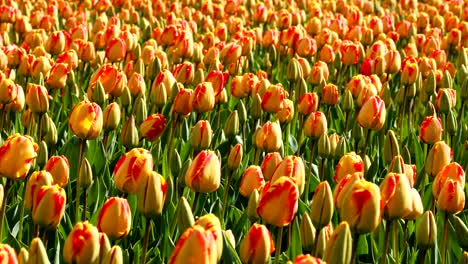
(136, 84)
(182, 101)
(16, 156)
(151, 195)
(153, 127)
(348, 164)
(269, 163)
(252, 179)
(307, 259)
(37, 98)
(7, 254)
(235, 157)
(115, 208)
(350, 53)
(269, 137)
(273, 99)
(439, 156)
(343, 186)
(82, 244)
(58, 76)
(112, 79)
(451, 171)
(85, 120)
(286, 114)
(8, 90)
(49, 206)
(203, 98)
(204, 173)
(451, 198)
(34, 184)
(116, 50)
(195, 245)
(315, 125)
(257, 245)
(361, 206)
(292, 167)
(59, 168)
(330, 94)
(132, 169)
(184, 73)
(308, 103)
(431, 130)
(416, 206)
(282, 193)
(212, 224)
(372, 114)
(396, 195)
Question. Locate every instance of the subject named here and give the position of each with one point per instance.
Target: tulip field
(233, 131)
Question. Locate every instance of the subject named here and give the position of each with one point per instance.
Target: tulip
(308, 103)
(8, 91)
(461, 232)
(58, 76)
(396, 195)
(330, 94)
(431, 130)
(361, 206)
(350, 53)
(273, 99)
(204, 173)
(201, 135)
(16, 156)
(184, 73)
(235, 157)
(308, 232)
(49, 206)
(292, 167)
(391, 146)
(116, 50)
(446, 99)
(372, 114)
(182, 101)
(343, 187)
(238, 89)
(252, 179)
(439, 156)
(37, 252)
(114, 256)
(348, 164)
(112, 79)
(269, 137)
(417, 208)
(195, 245)
(185, 217)
(34, 184)
(257, 245)
(23, 256)
(59, 168)
(307, 259)
(151, 195)
(153, 127)
(286, 114)
(451, 171)
(321, 208)
(451, 198)
(339, 248)
(37, 98)
(269, 163)
(211, 224)
(409, 73)
(7, 254)
(282, 193)
(426, 231)
(86, 120)
(111, 117)
(115, 208)
(132, 169)
(323, 239)
(315, 125)
(82, 244)
(203, 98)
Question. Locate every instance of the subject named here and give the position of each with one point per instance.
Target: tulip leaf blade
(295, 248)
(229, 253)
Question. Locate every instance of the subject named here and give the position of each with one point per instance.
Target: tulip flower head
(85, 120)
(204, 173)
(82, 244)
(257, 245)
(115, 208)
(132, 169)
(16, 156)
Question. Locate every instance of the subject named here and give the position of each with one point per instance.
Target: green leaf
(229, 253)
(295, 248)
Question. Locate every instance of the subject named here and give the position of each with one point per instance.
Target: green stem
(298, 153)
(195, 202)
(385, 248)
(317, 235)
(355, 245)
(3, 209)
(20, 232)
(85, 204)
(78, 180)
(366, 142)
(445, 238)
(395, 241)
(225, 198)
(279, 239)
(145, 241)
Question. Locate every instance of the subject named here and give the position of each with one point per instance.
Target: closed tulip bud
(273, 99)
(292, 167)
(391, 146)
(37, 98)
(203, 98)
(269, 137)
(286, 114)
(293, 70)
(184, 214)
(431, 129)
(252, 179)
(132, 169)
(360, 204)
(257, 245)
(49, 206)
(397, 165)
(372, 114)
(212, 225)
(426, 231)
(59, 168)
(23, 256)
(283, 192)
(348, 164)
(16, 156)
(348, 102)
(242, 112)
(230, 237)
(256, 110)
(430, 83)
(85, 120)
(417, 206)
(159, 93)
(321, 208)
(182, 102)
(37, 252)
(35, 182)
(269, 164)
(8, 254)
(126, 97)
(153, 127)
(116, 50)
(452, 125)
(51, 136)
(439, 156)
(396, 195)
(8, 91)
(104, 246)
(195, 245)
(251, 209)
(115, 208)
(99, 94)
(82, 244)
(201, 134)
(324, 237)
(330, 94)
(315, 125)
(235, 157)
(42, 154)
(231, 127)
(151, 195)
(340, 246)
(85, 174)
(308, 233)
(111, 117)
(324, 146)
(129, 133)
(461, 232)
(204, 173)
(114, 256)
(139, 109)
(446, 99)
